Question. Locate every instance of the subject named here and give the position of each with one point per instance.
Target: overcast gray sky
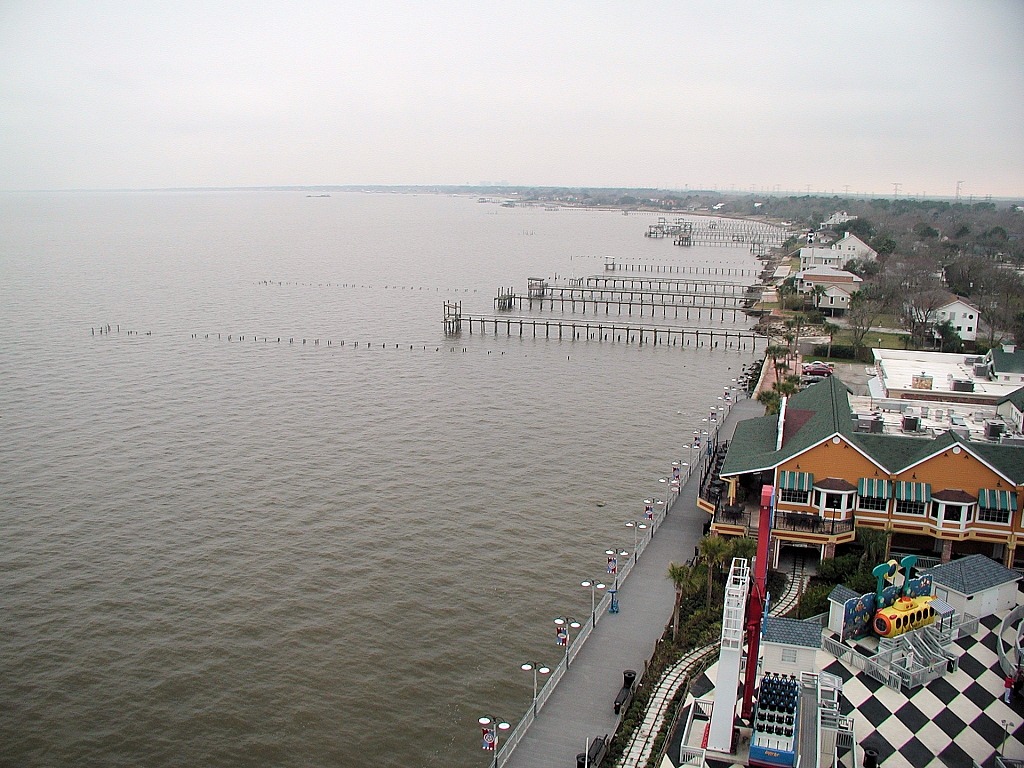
(107, 94)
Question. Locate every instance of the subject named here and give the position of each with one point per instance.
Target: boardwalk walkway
(581, 706)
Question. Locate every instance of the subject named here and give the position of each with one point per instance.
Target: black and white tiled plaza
(953, 722)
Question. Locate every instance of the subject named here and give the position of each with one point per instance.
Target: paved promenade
(581, 705)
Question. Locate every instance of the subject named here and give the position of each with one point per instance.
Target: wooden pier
(718, 232)
(669, 285)
(684, 306)
(613, 266)
(455, 322)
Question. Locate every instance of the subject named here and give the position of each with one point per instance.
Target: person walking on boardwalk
(1008, 686)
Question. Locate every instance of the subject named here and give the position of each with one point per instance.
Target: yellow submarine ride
(906, 613)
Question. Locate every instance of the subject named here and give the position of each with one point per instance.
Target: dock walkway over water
(581, 706)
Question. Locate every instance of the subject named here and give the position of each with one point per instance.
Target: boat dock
(455, 322)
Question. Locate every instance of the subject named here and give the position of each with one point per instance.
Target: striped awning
(992, 498)
(796, 481)
(913, 491)
(870, 487)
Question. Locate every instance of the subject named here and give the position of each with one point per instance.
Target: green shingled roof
(824, 410)
(897, 452)
(752, 447)
(1008, 459)
(1007, 362)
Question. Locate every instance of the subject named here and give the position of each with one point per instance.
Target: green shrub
(837, 570)
(814, 601)
(777, 582)
(839, 351)
(862, 582)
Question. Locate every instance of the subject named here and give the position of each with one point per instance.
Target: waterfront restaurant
(939, 496)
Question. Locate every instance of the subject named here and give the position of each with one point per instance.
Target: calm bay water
(238, 553)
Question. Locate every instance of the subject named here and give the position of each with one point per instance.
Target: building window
(909, 507)
(834, 501)
(987, 515)
(794, 497)
(953, 513)
(789, 656)
(871, 503)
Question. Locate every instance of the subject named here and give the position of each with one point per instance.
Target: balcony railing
(727, 514)
(804, 523)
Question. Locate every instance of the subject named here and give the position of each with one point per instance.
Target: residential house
(962, 315)
(839, 286)
(942, 495)
(852, 247)
(837, 218)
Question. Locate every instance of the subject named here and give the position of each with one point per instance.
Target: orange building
(942, 496)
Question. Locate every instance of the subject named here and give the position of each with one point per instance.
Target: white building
(962, 315)
(852, 247)
(790, 646)
(837, 218)
(837, 254)
(820, 257)
(1011, 408)
(976, 585)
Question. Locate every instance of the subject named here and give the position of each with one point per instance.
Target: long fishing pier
(455, 323)
(677, 285)
(682, 305)
(613, 266)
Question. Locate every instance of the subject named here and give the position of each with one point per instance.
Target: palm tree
(831, 329)
(816, 293)
(685, 581)
(778, 354)
(713, 550)
(742, 546)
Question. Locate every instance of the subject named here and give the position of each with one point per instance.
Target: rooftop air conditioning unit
(877, 425)
(973, 359)
(962, 432)
(910, 423)
(962, 385)
(981, 370)
(993, 429)
(1008, 439)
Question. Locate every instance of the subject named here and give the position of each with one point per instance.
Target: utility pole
(808, 189)
(958, 185)
(896, 188)
(846, 190)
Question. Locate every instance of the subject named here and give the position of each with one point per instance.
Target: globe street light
(637, 526)
(594, 585)
(535, 668)
(564, 624)
(491, 726)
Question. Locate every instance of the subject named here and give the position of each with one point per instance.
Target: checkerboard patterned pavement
(948, 723)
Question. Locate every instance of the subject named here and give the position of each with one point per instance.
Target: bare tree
(862, 314)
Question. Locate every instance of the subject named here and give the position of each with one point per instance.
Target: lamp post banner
(562, 636)
(613, 565)
(488, 743)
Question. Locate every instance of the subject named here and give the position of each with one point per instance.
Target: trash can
(870, 758)
(628, 678)
(581, 760)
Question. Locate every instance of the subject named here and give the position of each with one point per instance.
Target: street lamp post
(1007, 725)
(564, 624)
(491, 726)
(613, 569)
(637, 526)
(594, 585)
(535, 668)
